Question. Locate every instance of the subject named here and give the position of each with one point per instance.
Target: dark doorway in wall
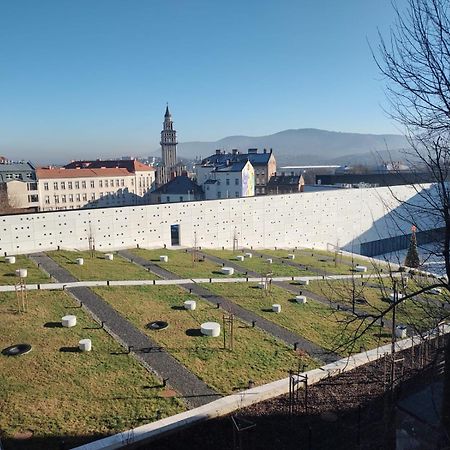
(175, 234)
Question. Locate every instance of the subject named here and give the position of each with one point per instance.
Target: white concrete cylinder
(190, 305)
(22, 273)
(291, 256)
(69, 321)
(300, 299)
(164, 258)
(303, 282)
(392, 295)
(210, 329)
(262, 285)
(80, 261)
(276, 308)
(10, 259)
(239, 258)
(227, 270)
(269, 260)
(400, 331)
(85, 345)
(359, 268)
(248, 255)
(109, 256)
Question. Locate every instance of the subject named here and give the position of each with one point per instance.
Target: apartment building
(91, 184)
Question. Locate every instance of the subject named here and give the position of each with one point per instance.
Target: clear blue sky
(87, 78)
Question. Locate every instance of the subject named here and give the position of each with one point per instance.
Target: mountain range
(308, 146)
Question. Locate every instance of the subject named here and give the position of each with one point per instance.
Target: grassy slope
(8, 271)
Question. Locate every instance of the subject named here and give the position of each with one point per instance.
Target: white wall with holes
(341, 217)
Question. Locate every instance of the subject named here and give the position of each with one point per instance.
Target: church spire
(167, 114)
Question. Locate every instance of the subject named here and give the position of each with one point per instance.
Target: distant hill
(306, 146)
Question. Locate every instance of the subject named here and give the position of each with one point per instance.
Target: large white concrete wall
(341, 217)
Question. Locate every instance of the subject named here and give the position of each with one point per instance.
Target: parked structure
(264, 165)
(285, 184)
(98, 183)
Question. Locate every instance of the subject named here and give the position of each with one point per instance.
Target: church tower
(168, 142)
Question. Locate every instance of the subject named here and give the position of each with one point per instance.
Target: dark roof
(284, 180)
(132, 165)
(179, 186)
(254, 158)
(20, 167)
(167, 114)
(381, 179)
(211, 181)
(233, 167)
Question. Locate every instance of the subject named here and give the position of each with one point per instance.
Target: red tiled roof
(132, 165)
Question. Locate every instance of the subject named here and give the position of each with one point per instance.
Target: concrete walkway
(148, 352)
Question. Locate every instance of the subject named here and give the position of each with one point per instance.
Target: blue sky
(90, 78)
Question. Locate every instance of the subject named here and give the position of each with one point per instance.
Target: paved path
(195, 391)
(247, 316)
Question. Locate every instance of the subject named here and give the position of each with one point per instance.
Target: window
(100, 183)
(122, 182)
(63, 199)
(63, 184)
(69, 185)
(56, 198)
(77, 185)
(71, 198)
(112, 183)
(236, 194)
(32, 198)
(106, 183)
(55, 185)
(168, 198)
(101, 194)
(181, 198)
(47, 200)
(236, 181)
(92, 184)
(9, 176)
(228, 182)
(29, 175)
(219, 194)
(45, 186)
(84, 197)
(32, 186)
(117, 183)
(132, 182)
(93, 196)
(78, 197)
(83, 184)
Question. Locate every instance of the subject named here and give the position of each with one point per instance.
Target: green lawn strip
(67, 393)
(181, 263)
(313, 261)
(259, 265)
(8, 271)
(257, 356)
(413, 312)
(314, 321)
(99, 268)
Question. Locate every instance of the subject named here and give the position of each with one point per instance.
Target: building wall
(22, 194)
(317, 219)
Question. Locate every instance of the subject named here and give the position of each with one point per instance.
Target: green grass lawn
(8, 271)
(98, 268)
(257, 356)
(65, 393)
(420, 313)
(259, 265)
(322, 260)
(181, 263)
(314, 321)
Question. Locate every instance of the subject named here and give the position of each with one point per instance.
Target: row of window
(17, 176)
(78, 197)
(71, 185)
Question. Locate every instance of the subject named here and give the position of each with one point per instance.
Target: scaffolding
(21, 296)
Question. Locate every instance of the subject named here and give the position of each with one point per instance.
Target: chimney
(252, 151)
(265, 150)
(218, 151)
(270, 150)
